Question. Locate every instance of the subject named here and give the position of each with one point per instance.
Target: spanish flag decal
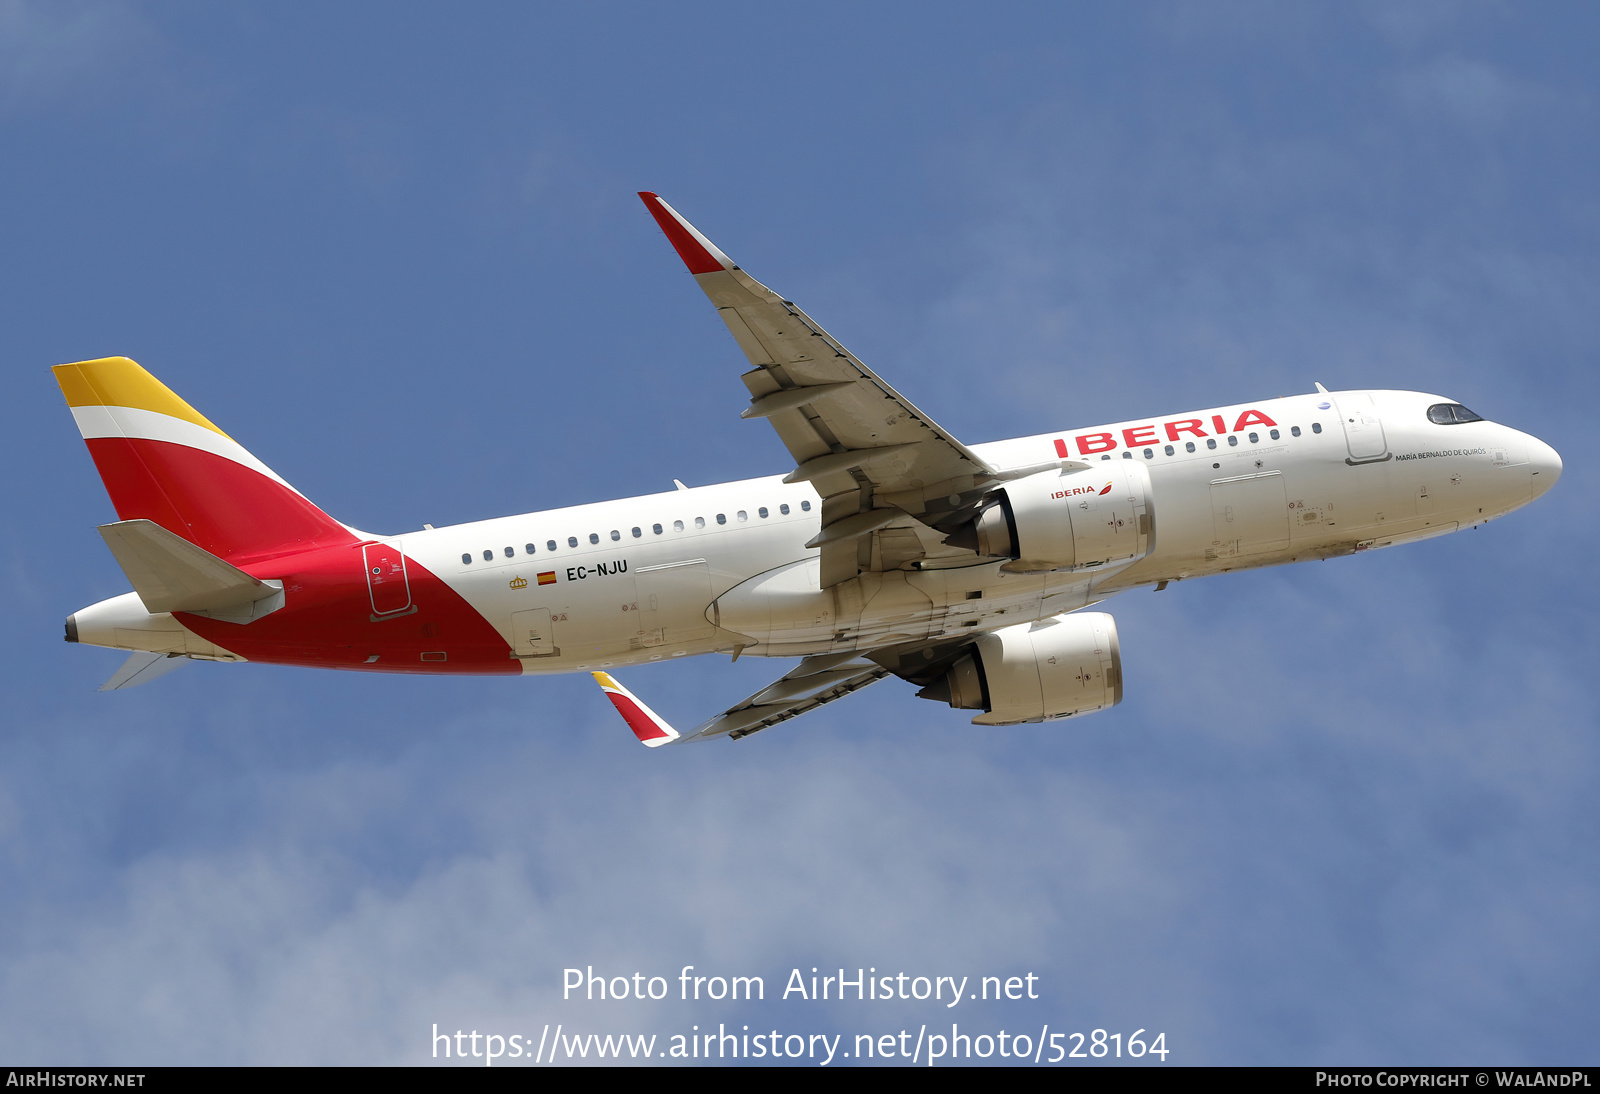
(547, 578)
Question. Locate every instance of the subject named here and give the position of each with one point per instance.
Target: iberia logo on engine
(1076, 490)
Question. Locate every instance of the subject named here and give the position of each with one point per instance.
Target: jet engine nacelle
(1034, 672)
(1074, 520)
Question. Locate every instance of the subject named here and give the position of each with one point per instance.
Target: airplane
(890, 549)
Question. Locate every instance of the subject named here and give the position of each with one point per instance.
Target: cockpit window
(1451, 414)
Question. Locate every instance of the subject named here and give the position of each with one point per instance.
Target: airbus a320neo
(889, 549)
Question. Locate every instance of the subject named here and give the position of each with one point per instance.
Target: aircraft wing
(815, 681)
(880, 464)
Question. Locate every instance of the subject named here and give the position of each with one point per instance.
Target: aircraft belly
(783, 612)
(880, 609)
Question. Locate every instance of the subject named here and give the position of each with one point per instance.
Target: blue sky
(1345, 813)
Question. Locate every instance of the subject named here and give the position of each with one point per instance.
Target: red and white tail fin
(651, 729)
(161, 460)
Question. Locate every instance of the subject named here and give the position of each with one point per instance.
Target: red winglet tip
(690, 245)
(643, 728)
(645, 723)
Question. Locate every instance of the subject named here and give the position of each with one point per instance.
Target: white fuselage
(1347, 471)
(726, 567)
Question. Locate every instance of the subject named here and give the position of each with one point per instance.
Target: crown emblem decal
(519, 583)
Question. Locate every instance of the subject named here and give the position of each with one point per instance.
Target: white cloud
(52, 53)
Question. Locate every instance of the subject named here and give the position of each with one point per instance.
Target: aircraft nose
(1545, 463)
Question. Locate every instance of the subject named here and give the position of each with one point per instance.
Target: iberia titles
(1137, 436)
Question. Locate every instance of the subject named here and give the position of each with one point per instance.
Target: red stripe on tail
(226, 508)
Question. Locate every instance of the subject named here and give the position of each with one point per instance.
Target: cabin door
(1363, 429)
(387, 585)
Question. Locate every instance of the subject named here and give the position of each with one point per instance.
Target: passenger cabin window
(1451, 414)
(530, 548)
(615, 535)
(722, 518)
(1211, 442)
(784, 508)
(572, 541)
(656, 528)
(762, 512)
(1168, 450)
(551, 546)
(1148, 453)
(1233, 442)
(637, 533)
(1254, 437)
(677, 526)
(805, 506)
(1316, 427)
(594, 537)
(466, 560)
(1189, 447)
(488, 556)
(511, 552)
(1273, 434)
(699, 522)
(1294, 431)
(743, 516)
(1126, 454)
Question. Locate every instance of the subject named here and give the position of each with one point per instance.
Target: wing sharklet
(652, 730)
(698, 253)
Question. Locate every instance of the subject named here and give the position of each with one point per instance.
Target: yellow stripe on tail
(117, 381)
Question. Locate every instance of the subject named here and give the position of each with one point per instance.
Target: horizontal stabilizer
(170, 574)
(141, 668)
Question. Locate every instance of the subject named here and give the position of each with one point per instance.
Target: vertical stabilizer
(163, 461)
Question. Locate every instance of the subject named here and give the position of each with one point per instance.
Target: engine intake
(1036, 672)
(1076, 520)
